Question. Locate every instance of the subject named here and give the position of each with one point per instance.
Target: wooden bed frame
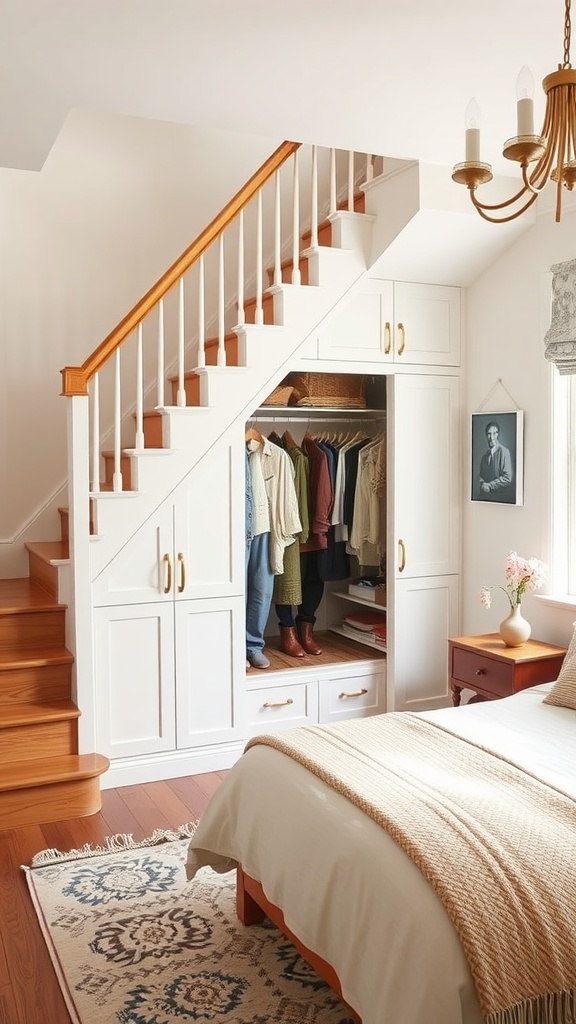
(252, 906)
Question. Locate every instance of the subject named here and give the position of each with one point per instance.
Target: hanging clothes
(288, 585)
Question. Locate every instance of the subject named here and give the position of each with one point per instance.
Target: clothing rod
(326, 416)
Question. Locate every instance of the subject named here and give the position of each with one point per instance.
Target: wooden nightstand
(484, 664)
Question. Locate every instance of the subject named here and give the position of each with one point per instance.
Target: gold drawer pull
(402, 554)
(480, 671)
(168, 574)
(182, 564)
(354, 693)
(387, 338)
(402, 345)
(278, 703)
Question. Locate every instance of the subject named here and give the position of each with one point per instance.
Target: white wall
(507, 316)
(116, 203)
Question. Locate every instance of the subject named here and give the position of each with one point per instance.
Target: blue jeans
(259, 589)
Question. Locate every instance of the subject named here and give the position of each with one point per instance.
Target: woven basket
(333, 390)
(280, 396)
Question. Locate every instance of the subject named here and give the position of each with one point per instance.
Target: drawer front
(272, 708)
(352, 696)
(482, 673)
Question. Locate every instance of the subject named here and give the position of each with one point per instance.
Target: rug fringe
(114, 844)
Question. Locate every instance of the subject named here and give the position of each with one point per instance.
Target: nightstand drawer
(482, 673)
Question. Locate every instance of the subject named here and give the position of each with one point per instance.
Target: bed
(363, 900)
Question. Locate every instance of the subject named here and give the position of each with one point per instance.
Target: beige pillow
(563, 693)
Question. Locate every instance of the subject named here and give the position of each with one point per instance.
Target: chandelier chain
(567, 31)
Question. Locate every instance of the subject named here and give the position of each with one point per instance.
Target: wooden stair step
(64, 513)
(44, 557)
(29, 714)
(42, 730)
(33, 674)
(125, 470)
(21, 593)
(33, 657)
(50, 789)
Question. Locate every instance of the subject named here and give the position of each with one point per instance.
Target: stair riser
(59, 801)
(44, 573)
(32, 629)
(39, 741)
(34, 684)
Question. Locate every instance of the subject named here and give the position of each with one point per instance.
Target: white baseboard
(130, 771)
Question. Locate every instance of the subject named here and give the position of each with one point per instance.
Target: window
(563, 460)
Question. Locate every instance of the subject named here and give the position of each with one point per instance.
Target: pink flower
(522, 575)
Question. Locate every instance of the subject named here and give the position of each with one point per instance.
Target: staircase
(44, 778)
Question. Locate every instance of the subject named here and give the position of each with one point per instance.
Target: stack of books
(369, 588)
(365, 624)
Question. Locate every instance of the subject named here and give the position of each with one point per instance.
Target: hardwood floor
(29, 991)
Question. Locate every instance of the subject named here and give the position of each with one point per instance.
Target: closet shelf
(359, 640)
(314, 412)
(359, 600)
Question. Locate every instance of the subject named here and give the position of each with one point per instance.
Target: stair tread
(47, 771)
(24, 594)
(36, 713)
(49, 550)
(31, 657)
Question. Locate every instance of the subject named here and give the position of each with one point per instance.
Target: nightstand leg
(456, 691)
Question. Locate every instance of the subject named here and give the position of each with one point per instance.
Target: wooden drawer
(352, 696)
(270, 708)
(482, 673)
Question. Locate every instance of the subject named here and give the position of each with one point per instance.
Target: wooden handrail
(75, 378)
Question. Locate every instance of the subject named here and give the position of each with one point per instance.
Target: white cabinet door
(423, 475)
(400, 322)
(134, 669)
(425, 615)
(210, 669)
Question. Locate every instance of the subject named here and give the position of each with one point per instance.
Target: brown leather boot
(289, 642)
(305, 630)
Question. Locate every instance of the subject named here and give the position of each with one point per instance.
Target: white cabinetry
(391, 321)
(169, 618)
(423, 537)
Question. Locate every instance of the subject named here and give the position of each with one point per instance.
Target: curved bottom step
(52, 789)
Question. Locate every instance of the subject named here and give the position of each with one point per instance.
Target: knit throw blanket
(497, 844)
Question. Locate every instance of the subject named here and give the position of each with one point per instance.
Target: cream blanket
(496, 844)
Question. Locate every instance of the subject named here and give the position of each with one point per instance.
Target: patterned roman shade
(560, 339)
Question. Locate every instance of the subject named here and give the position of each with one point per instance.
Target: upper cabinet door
(361, 327)
(423, 475)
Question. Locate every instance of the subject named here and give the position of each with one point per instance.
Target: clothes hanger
(253, 435)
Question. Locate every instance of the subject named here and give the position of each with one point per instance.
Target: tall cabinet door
(423, 538)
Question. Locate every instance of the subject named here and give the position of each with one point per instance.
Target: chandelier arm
(480, 207)
(496, 206)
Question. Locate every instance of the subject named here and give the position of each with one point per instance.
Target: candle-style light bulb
(525, 105)
(472, 119)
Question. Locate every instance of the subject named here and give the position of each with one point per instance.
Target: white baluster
(314, 211)
(160, 365)
(96, 434)
(277, 232)
(296, 223)
(369, 167)
(241, 313)
(221, 357)
(201, 314)
(351, 181)
(332, 181)
(117, 475)
(181, 396)
(259, 312)
(139, 442)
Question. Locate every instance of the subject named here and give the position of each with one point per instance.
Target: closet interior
(350, 617)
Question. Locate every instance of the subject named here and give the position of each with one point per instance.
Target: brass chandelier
(553, 152)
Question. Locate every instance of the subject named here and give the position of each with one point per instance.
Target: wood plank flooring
(29, 991)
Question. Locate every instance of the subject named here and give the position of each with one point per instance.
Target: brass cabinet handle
(353, 693)
(402, 344)
(480, 671)
(182, 565)
(402, 556)
(387, 338)
(278, 703)
(168, 574)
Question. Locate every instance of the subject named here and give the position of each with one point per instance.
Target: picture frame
(498, 457)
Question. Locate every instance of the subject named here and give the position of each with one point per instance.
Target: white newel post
(79, 637)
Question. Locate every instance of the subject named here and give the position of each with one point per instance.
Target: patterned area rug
(133, 942)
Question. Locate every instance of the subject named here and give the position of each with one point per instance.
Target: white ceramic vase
(515, 629)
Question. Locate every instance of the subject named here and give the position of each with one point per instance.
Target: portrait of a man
(497, 457)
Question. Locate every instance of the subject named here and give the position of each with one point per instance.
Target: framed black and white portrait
(498, 457)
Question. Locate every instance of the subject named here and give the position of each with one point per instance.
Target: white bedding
(346, 889)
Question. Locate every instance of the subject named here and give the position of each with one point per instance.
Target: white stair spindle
(160, 364)
(96, 434)
(139, 442)
(241, 313)
(201, 314)
(181, 396)
(259, 312)
(369, 167)
(221, 357)
(351, 181)
(314, 203)
(296, 223)
(117, 475)
(277, 232)
(332, 181)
